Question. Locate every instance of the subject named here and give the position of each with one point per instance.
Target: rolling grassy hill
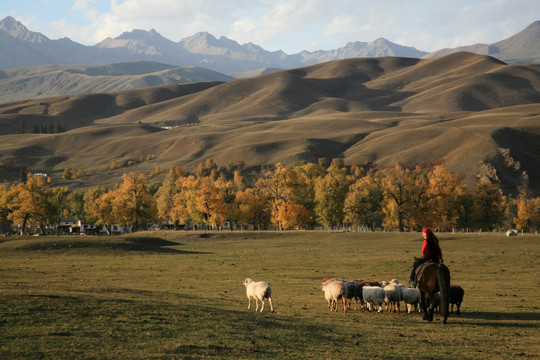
(470, 112)
(59, 80)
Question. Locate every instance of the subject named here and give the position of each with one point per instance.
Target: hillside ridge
(472, 113)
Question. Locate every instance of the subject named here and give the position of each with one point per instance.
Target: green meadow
(179, 295)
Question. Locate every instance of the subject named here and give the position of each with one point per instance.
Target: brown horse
(432, 278)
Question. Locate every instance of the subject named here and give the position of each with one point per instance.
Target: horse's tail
(443, 278)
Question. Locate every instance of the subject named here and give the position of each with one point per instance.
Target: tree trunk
(23, 227)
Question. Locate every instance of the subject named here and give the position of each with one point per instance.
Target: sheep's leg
(271, 305)
(249, 303)
(256, 304)
(262, 306)
(363, 304)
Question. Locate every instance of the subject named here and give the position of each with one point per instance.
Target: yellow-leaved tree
(446, 191)
(253, 206)
(98, 207)
(399, 186)
(528, 213)
(330, 193)
(5, 224)
(166, 193)
(184, 209)
(132, 203)
(27, 203)
(364, 201)
(288, 189)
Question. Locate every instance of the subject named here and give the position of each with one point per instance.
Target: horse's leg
(423, 304)
(431, 308)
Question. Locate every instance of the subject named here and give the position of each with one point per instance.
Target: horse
(431, 277)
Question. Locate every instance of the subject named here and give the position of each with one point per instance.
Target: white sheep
(373, 296)
(258, 290)
(392, 297)
(411, 297)
(333, 291)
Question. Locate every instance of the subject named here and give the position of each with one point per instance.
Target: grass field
(179, 295)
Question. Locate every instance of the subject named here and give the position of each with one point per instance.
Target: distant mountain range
(28, 48)
(201, 57)
(522, 48)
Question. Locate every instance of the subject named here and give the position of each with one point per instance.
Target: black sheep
(456, 297)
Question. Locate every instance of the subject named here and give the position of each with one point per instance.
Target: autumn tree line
(306, 195)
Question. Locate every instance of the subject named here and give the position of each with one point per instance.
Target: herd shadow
(486, 318)
(486, 315)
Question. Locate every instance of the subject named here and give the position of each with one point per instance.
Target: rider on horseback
(430, 252)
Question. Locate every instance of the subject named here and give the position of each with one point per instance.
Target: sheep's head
(247, 281)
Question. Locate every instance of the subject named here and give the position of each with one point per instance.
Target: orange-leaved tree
(293, 216)
(211, 201)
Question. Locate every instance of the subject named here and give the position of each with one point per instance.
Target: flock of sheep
(371, 295)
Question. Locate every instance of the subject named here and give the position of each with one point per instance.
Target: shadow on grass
(500, 316)
(143, 244)
(182, 329)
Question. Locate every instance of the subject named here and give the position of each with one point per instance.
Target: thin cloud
(289, 25)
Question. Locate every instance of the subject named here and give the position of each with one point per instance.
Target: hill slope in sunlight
(472, 113)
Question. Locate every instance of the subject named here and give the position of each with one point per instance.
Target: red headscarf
(430, 247)
(428, 232)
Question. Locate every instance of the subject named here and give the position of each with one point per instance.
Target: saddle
(420, 271)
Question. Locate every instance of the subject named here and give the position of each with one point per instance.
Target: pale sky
(288, 25)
